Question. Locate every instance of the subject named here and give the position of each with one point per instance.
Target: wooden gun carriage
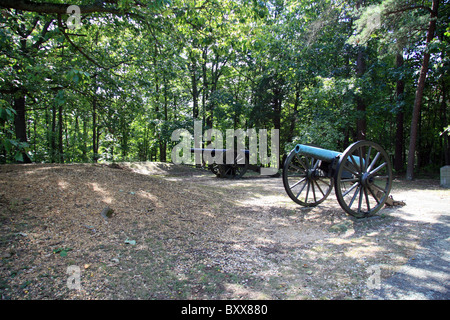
(361, 176)
(235, 168)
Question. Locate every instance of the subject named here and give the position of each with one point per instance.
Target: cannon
(361, 177)
(228, 169)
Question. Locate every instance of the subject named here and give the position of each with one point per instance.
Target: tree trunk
(276, 102)
(20, 123)
(195, 93)
(35, 134)
(398, 157)
(163, 143)
(205, 85)
(94, 130)
(419, 92)
(361, 122)
(68, 143)
(77, 135)
(446, 135)
(84, 147)
(294, 115)
(53, 135)
(60, 134)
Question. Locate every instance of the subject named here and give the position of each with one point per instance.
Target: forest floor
(181, 233)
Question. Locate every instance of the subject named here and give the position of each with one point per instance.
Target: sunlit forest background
(115, 82)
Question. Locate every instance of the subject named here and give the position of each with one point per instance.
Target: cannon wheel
(362, 187)
(235, 170)
(214, 167)
(304, 181)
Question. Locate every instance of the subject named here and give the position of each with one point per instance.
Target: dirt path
(181, 233)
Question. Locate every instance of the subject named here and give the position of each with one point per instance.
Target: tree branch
(41, 40)
(25, 34)
(66, 35)
(59, 8)
(407, 9)
(74, 45)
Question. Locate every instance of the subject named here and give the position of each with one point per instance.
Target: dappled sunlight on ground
(187, 234)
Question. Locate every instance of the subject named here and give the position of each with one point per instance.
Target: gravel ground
(181, 233)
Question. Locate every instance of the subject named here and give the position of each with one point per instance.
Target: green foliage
(116, 88)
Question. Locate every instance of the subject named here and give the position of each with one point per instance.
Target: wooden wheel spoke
(301, 190)
(367, 199)
(361, 191)
(354, 196)
(353, 171)
(373, 161)
(361, 159)
(301, 163)
(374, 196)
(328, 183)
(314, 167)
(307, 191)
(367, 158)
(350, 189)
(298, 182)
(358, 167)
(296, 167)
(313, 190)
(377, 168)
(318, 187)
